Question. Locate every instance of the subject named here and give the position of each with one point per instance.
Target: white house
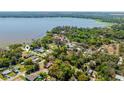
(6, 72)
(119, 77)
(40, 50)
(120, 62)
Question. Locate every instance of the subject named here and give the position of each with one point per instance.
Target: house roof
(90, 71)
(32, 77)
(39, 49)
(6, 72)
(119, 77)
(48, 64)
(26, 55)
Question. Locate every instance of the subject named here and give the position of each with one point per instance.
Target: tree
(28, 61)
(31, 68)
(61, 71)
(4, 62)
(81, 76)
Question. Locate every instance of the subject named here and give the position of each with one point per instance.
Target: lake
(18, 30)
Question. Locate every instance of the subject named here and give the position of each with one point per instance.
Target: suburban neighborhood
(58, 56)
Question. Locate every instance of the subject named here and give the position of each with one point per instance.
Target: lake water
(18, 30)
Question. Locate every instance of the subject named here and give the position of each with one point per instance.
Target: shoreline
(28, 41)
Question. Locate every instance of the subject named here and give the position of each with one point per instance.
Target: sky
(61, 5)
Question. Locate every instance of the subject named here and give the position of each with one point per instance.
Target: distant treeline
(114, 17)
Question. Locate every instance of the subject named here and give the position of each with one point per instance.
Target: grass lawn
(53, 46)
(22, 68)
(41, 65)
(12, 74)
(20, 78)
(3, 78)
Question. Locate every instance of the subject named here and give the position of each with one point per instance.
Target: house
(6, 72)
(25, 55)
(16, 69)
(40, 50)
(78, 49)
(49, 51)
(62, 32)
(93, 62)
(48, 64)
(101, 49)
(55, 36)
(92, 79)
(34, 58)
(45, 70)
(84, 45)
(62, 38)
(70, 45)
(90, 71)
(32, 77)
(86, 66)
(22, 63)
(94, 74)
(88, 52)
(119, 77)
(59, 38)
(120, 62)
